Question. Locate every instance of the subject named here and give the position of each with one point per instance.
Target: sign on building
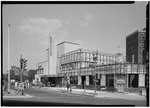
(120, 81)
(21, 86)
(50, 50)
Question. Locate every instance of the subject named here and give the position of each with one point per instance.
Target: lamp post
(95, 60)
(8, 61)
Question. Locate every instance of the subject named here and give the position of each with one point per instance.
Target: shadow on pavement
(37, 103)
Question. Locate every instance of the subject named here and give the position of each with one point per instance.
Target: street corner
(136, 96)
(123, 96)
(17, 96)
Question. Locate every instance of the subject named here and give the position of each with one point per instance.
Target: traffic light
(24, 64)
(21, 63)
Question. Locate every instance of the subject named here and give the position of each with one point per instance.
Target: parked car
(53, 85)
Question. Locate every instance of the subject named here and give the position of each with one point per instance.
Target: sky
(101, 27)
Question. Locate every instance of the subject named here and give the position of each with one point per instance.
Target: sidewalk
(14, 95)
(99, 94)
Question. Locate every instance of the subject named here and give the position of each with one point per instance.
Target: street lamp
(8, 84)
(95, 61)
(48, 60)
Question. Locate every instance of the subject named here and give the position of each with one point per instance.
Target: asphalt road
(50, 98)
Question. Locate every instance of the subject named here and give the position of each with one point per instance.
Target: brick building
(136, 47)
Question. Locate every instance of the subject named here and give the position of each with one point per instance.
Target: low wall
(135, 90)
(90, 87)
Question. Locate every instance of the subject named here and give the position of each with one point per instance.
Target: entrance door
(133, 80)
(109, 81)
(83, 79)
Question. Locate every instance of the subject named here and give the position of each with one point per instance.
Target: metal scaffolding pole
(95, 59)
(95, 78)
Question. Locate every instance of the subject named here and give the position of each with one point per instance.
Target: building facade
(63, 48)
(42, 69)
(52, 55)
(109, 70)
(136, 47)
(80, 65)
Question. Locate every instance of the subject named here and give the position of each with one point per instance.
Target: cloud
(41, 25)
(33, 37)
(86, 20)
(38, 29)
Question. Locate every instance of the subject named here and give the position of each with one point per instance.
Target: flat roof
(132, 33)
(87, 50)
(41, 62)
(144, 29)
(67, 42)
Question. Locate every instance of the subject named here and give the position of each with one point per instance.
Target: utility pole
(118, 48)
(8, 61)
(23, 64)
(95, 60)
(21, 60)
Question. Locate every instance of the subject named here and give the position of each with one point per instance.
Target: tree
(45, 80)
(5, 77)
(31, 75)
(13, 76)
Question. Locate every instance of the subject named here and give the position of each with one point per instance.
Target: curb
(124, 98)
(76, 93)
(64, 91)
(17, 96)
(110, 96)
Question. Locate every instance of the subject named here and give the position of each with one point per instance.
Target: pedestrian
(16, 85)
(28, 85)
(18, 90)
(84, 86)
(70, 89)
(68, 86)
(5, 86)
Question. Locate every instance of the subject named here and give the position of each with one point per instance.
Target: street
(42, 97)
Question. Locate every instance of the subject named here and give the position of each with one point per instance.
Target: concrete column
(69, 79)
(141, 82)
(115, 78)
(127, 81)
(79, 80)
(39, 79)
(103, 80)
(87, 79)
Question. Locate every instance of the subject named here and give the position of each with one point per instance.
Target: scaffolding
(79, 62)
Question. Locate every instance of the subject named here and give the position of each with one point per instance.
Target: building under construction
(82, 65)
